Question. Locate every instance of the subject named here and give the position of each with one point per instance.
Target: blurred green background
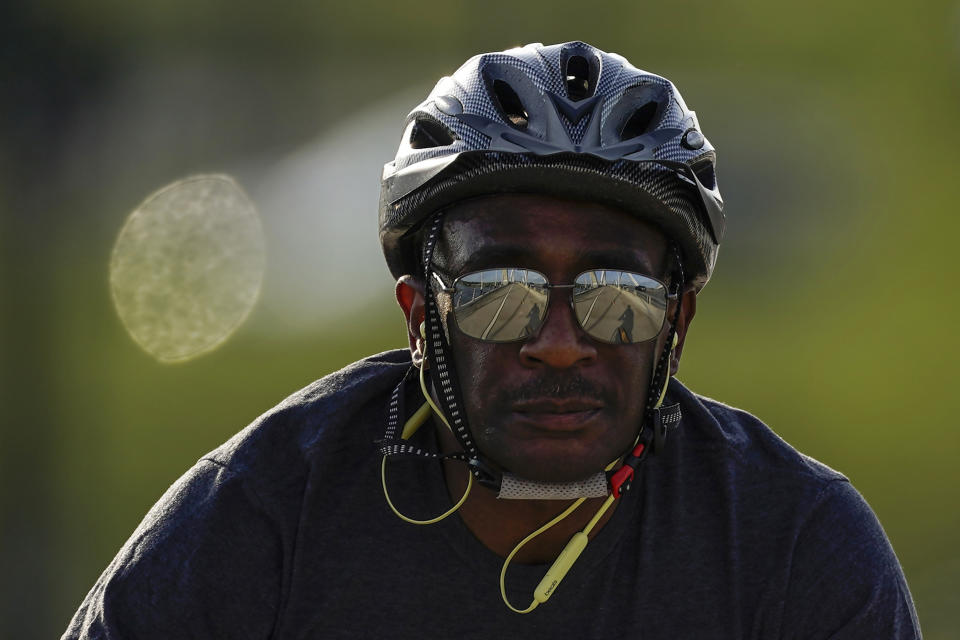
(831, 315)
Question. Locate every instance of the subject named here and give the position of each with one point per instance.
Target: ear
(688, 308)
(409, 292)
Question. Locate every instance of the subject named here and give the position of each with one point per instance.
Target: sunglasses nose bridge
(562, 298)
(559, 340)
(562, 295)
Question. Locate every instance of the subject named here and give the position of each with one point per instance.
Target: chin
(559, 476)
(556, 468)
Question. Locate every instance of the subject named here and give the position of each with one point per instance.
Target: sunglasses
(510, 304)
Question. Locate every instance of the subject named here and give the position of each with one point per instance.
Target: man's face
(559, 405)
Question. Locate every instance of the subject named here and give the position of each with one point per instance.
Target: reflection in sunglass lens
(500, 305)
(504, 305)
(619, 306)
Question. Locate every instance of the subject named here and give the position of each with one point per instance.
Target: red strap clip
(622, 477)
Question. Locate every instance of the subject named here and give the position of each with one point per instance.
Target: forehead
(549, 233)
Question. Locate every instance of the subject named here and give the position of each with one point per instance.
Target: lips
(557, 414)
(556, 405)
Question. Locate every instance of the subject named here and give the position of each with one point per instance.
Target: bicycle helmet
(567, 120)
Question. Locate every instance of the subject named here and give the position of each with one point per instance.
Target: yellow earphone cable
(409, 428)
(577, 543)
(564, 561)
(570, 552)
(506, 562)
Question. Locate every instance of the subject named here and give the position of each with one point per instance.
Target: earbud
(676, 339)
(422, 343)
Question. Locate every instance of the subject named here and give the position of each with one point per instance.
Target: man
(550, 217)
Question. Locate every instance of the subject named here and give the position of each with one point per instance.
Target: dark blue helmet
(567, 120)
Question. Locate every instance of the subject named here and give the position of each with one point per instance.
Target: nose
(560, 342)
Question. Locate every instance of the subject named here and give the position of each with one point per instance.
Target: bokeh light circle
(187, 267)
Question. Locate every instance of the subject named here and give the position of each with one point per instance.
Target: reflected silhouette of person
(533, 321)
(624, 333)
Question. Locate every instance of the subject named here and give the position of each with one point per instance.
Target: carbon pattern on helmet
(534, 72)
(667, 202)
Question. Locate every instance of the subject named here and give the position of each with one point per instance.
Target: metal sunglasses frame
(442, 286)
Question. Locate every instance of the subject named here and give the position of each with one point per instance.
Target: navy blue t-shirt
(283, 532)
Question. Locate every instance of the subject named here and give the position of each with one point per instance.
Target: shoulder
(345, 409)
(841, 577)
(744, 439)
(212, 554)
(845, 579)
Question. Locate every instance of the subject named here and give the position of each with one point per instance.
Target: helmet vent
(510, 104)
(426, 133)
(639, 123)
(578, 78)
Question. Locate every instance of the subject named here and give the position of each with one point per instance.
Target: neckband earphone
(619, 482)
(410, 427)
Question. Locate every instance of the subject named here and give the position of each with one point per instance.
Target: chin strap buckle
(664, 420)
(484, 473)
(622, 478)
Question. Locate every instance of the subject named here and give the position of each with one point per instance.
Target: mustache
(555, 386)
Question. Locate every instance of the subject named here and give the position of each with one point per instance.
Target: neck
(501, 524)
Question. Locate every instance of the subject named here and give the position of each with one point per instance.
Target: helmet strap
(442, 371)
(661, 372)
(445, 382)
